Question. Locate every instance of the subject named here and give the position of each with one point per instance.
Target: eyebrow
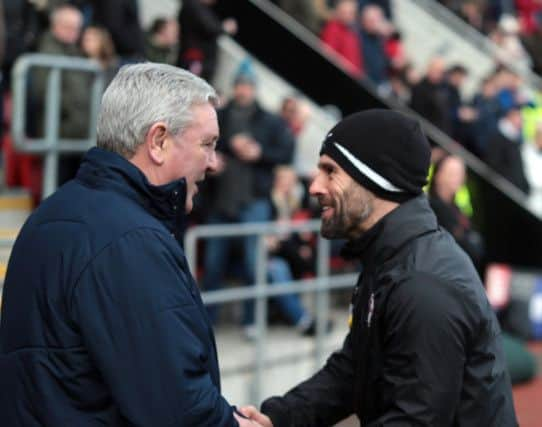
(325, 165)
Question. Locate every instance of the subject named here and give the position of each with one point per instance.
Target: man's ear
(156, 141)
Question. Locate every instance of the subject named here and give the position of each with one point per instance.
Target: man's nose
(212, 162)
(315, 189)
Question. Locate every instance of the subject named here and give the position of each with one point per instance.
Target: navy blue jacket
(102, 322)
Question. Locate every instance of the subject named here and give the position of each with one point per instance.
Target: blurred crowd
(256, 180)
(499, 123)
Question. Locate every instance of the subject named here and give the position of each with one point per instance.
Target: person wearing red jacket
(341, 39)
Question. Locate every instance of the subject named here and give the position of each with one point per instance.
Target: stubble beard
(345, 223)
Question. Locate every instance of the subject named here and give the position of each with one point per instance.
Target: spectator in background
(533, 45)
(295, 112)
(384, 5)
(402, 80)
(341, 38)
(62, 39)
(462, 116)
(374, 31)
(430, 96)
(448, 177)
(395, 51)
(289, 203)
(309, 13)
(504, 149)
(507, 37)
(473, 12)
(252, 142)
(199, 29)
(510, 88)
(162, 41)
(96, 43)
(488, 109)
(532, 159)
(529, 15)
(497, 8)
(290, 255)
(121, 19)
(21, 32)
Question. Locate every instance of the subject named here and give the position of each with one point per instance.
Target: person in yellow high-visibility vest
(448, 178)
(462, 197)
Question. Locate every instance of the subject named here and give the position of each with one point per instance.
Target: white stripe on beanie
(368, 172)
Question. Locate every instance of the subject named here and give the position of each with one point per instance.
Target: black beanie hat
(383, 150)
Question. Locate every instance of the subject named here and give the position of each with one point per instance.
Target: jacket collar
(104, 169)
(408, 221)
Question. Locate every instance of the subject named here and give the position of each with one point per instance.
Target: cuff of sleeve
(276, 409)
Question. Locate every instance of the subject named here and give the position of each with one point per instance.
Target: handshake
(249, 416)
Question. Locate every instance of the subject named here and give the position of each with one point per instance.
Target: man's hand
(245, 422)
(255, 415)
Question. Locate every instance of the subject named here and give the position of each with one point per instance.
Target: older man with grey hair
(102, 322)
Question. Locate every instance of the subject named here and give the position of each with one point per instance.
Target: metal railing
(322, 284)
(51, 144)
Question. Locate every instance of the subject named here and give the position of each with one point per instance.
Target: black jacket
(102, 322)
(242, 182)
(431, 101)
(424, 347)
(200, 28)
(504, 155)
(121, 18)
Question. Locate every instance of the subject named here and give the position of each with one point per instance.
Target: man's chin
(330, 232)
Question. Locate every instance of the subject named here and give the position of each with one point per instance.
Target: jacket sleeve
(135, 308)
(424, 352)
(322, 400)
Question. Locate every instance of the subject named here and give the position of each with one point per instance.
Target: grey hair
(143, 94)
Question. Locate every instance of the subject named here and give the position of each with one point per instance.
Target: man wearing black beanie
(424, 345)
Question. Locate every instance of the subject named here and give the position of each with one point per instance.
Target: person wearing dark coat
(449, 175)
(488, 108)
(121, 19)
(430, 97)
(385, 5)
(373, 34)
(504, 149)
(200, 28)
(253, 142)
(424, 346)
(102, 322)
(62, 39)
(21, 28)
